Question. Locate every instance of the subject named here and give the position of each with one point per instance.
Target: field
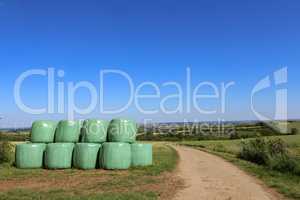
(294, 125)
(152, 182)
(233, 146)
(155, 182)
(14, 136)
(285, 183)
(285, 126)
(199, 131)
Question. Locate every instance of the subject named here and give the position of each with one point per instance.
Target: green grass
(137, 183)
(27, 194)
(285, 183)
(14, 136)
(294, 124)
(166, 159)
(233, 146)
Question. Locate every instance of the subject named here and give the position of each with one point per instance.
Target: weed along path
(209, 177)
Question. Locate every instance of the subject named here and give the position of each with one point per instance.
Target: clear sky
(220, 41)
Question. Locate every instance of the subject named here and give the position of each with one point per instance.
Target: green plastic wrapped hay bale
(141, 154)
(122, 130)
(115, 155)
(30, 155)
(68, 131)
(43, 131)
(86, 155)
(59, 155)
(94, 131)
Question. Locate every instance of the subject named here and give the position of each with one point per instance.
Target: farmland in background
(215, 131)
(15, 135)
(179, 132)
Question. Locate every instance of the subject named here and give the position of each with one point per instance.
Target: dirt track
(209, 177)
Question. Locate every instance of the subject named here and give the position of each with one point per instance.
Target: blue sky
(220, 41)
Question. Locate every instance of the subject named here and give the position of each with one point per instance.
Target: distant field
(285, 183)
(285, 127)
(152, 182)
(294, 124)
(14, 136)
(195, 131)
(233, 146)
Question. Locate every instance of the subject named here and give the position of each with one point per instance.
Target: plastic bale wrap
(43, 131)
(141, 154)
(68, 131)
(115, 155)
(59, 155)
(86, 155)
(94, 131)
(29, 155)
(122, 130)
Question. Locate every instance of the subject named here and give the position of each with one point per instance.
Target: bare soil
(95, 181)
(209, 177)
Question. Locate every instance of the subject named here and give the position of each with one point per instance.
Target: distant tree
(294, 131)
(180, 136)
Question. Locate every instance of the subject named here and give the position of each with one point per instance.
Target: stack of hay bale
(121, 151)
(88, 145)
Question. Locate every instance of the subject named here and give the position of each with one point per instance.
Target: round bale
(141, 154)
(68, 131)
(94, 131)
(29, 155)
(122, 130)
(86, 155)
(59, 155)
(43, 131)
(115, 155)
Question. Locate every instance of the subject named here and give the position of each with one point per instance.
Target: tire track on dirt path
(209, 177)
